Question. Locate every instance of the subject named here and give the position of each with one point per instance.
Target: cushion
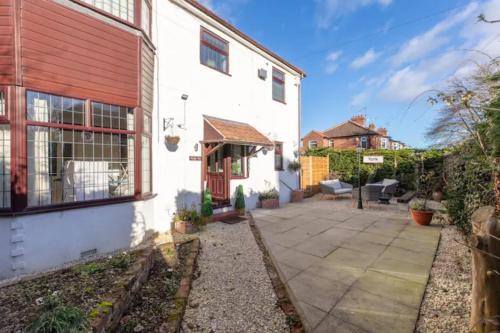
(343, 191)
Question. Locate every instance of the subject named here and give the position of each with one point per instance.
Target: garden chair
(335, 187)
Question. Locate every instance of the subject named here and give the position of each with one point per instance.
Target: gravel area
(446, 304)
(232, 292)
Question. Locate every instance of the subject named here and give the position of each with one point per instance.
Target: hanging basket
(172, 140)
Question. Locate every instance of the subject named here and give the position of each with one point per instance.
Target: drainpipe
(299, 100)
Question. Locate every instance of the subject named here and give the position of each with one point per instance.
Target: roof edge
(234, 29)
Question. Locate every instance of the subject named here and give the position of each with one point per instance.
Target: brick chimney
(372, 126)
(382, 131)
(359, 119)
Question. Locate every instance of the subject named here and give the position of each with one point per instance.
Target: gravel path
(233, 292)
(446, 304)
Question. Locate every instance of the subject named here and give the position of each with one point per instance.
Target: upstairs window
(278, 85)
(146, 17)
(123, 9)
(278, 156)
(214, 52)
(313, 144)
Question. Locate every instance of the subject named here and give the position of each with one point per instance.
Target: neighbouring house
(91, 97)
(351, 134)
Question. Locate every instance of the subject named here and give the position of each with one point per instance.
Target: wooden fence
(313, 170)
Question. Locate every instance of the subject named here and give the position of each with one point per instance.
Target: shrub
(240, 198)
(271, 194)
(190, 215)
(293, 166)
(56, 317)
(121, 261)
(420, 205)
(207, 206)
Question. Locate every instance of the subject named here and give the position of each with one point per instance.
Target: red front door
(217, 177)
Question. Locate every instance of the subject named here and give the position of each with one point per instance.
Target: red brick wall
(322, 142)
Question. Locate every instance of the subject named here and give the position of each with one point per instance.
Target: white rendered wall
(239, 96)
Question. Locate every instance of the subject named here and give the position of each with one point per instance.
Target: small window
(384, 143)
(4, 166)
(278, 156)
(313, 144)
(123, 9)
(278, 85)
(331, 143)
(214, 51)
(146, 18)
(2, 103)
(238, 161)
(364, 142)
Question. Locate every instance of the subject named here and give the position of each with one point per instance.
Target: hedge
(404, 165)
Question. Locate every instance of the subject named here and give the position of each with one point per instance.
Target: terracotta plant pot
(172, 140)
(437, 196)
(422, 217)
(297, 196)
(185, 227)
(270, 203)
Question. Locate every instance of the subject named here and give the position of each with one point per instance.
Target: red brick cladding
(7, 53)
(66, 52)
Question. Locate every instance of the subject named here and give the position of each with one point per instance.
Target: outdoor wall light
(184, 97)
(195, 147)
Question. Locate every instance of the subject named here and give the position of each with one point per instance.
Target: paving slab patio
(350, 270)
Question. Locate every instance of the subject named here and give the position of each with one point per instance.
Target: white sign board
(373, 159)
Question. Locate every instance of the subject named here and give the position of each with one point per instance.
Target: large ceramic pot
(270, 203)
(297, 196)
(185, 227)
(422, 217)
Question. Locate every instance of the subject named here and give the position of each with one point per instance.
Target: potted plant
(270, 199)
(188, 221)
(172, 139)
(297, 195)
(420, 213)
(207, 209)
(239, 203)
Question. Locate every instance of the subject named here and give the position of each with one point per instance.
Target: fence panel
(313, 170)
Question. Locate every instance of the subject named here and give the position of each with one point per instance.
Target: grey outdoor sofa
(335, 187)
(375, 191)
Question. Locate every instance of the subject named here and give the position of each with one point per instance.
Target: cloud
(360, 99)
(367, 58)
(423, 44)
(328, 10)
(419, 69)
(331, 62)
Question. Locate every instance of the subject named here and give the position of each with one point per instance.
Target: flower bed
(86, 287)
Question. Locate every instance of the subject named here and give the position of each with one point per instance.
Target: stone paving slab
(349, 270)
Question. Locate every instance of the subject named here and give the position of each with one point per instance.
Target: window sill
(239, 177)
(279, 101)
(215, 69)
(79, 205)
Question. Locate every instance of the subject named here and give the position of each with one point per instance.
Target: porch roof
(233, 132)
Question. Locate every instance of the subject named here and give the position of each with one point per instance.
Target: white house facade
(226, 112)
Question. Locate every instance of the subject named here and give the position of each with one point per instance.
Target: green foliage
(56, 317)
(271, 194)
(293, 166)
(190, 215)
(91, 268)
(121, 261)
(420, 205)
(207, 207)
(469, 184)
(240, 198)
(403, 165)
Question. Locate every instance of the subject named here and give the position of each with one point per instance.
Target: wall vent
(88, 253)
(262, 73)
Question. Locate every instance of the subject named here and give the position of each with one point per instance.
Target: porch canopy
(222, 131)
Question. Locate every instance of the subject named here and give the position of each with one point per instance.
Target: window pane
(112, 116)
(278, 85)
(145, 17)
(4, 166)
(146, 164)
(278, 156)
(121, 8)
(55, 109)
(2, 104)
(70, 166)
(214, 52)
(237, 160)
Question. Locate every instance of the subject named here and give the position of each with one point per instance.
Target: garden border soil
(293, 318)
(174, 320)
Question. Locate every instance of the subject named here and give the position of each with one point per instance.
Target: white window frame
(310, 144)
(363, 142)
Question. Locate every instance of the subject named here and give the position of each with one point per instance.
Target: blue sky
(371, 57)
